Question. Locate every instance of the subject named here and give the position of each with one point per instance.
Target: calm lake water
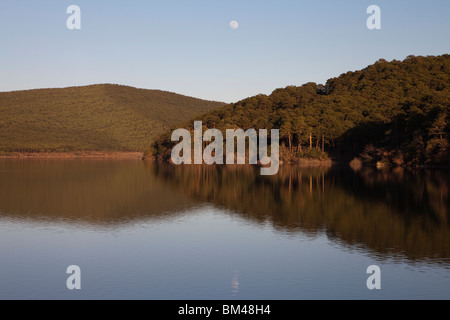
(150, 231)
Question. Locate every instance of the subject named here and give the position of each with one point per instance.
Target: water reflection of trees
(403, 213)
(93, 192)
(398, 212)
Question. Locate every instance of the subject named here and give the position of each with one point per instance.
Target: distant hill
(394, 112)
(99, 117)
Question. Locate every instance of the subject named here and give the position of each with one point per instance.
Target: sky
(188, 47)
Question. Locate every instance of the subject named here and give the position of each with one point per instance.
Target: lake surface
(141, 230)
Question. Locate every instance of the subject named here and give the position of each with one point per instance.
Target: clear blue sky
(188, 47)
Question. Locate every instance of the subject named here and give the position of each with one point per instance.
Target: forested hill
(92, 118)
(395, 112)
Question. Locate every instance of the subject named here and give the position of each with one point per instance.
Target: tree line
(393, 112)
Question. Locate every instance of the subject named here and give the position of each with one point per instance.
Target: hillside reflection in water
(160, 231)
(392, 212)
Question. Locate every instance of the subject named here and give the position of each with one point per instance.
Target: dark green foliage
(399, 108)
(313, 153)
(93, 118)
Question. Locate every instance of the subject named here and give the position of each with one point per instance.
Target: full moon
(234, 25)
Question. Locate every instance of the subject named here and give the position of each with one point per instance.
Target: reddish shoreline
(75, 155)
